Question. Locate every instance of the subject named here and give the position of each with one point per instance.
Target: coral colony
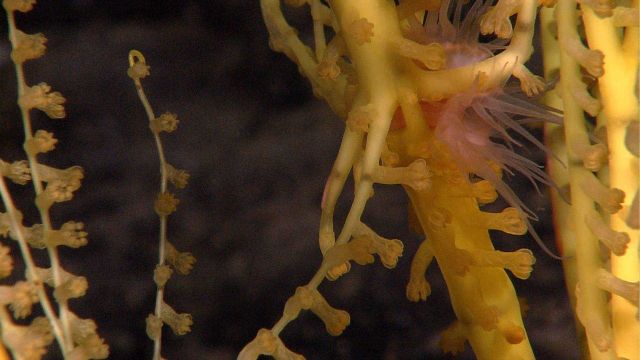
(426, 91)
(427, 105)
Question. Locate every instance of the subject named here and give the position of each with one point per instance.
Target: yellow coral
(398, 111)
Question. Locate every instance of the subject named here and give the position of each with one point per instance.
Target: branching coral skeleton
(422, 101)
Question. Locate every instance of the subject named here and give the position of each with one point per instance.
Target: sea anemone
(458, 37)
(475, 125)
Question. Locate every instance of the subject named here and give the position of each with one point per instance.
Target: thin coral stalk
(17, 229)
(37, 183)
(137, 59)
(165, 204)
(43, 208)
(554, 139)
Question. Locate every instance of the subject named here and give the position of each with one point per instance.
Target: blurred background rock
(258, 146)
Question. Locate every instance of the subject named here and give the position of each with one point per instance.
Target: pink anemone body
(476, 126)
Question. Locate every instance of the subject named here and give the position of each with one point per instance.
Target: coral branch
(432, 56)
(418, 287)
(626, 289)
(610, 200)
(616, 241)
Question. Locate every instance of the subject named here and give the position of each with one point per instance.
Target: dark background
(258, 147)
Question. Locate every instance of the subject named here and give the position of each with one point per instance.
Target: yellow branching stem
(282, 38)
(600, 206)
(169, 259)
(18, 232)
(592, 302)
(618, 93)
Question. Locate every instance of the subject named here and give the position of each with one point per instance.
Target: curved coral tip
(136, 57)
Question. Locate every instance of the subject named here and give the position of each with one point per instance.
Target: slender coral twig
(164, 205)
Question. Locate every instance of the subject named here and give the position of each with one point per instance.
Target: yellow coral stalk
(612, 329)
(618, 93)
